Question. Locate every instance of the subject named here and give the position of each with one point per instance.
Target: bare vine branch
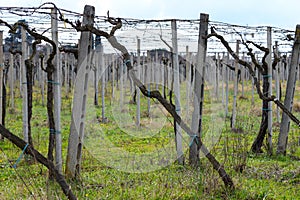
(49, 69)
(152, 94)
(252, 73)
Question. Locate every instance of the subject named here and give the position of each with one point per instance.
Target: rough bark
(258, 142)
(29, 76)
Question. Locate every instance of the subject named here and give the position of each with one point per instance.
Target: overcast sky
(278, 13)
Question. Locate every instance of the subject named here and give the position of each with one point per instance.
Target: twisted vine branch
(252, 72)
(151, 94)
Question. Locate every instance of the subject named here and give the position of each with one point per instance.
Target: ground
(104, 176)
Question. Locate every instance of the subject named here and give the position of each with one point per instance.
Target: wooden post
(113, 77)
(138, 92)
(148, 80)
(125, 79)
(24, 85)
(289, 95)
(226, 86)
(270, 70)
(102, 66)
(67, 74)
(235, 92)
(121, 71)
(96, 72)
(132, 86)
(156, 70)
(277, 82)
(1, 79)
(223, 80)
(80, 97)
(162, 74)
(252, 88)
(178, 135)
(243, 76)
(217, 76)
(199, 90)
(56, 92)
(188, 81)
(44, 74)
(11, 81)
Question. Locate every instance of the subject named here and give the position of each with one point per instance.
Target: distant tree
(14, 39)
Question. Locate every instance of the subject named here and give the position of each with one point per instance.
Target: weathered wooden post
(188, 81)
(44, 63)
(270, 70)
(243, 76)
(223, 79)
(289, 95)
(199, 90)
(226, 86)
(24, 85)
(102, 66)
(148, 79)
(252, 88)
(122, 88)
(80, 97)
(156, 70)
(1, 78)
(97, 67)
(277, 81)
(11, 81)
(180, 156)
(66, 59)
(235, 92)
(217, 76)
(56, 92)
(113, 76)
(138, 92)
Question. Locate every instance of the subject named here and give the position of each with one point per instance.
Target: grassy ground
(147, 169)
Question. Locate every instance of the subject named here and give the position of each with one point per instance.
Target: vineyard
(100, 107)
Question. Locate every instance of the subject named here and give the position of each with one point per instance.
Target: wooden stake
(148, 80)
(270, 70)
(24, 85)
(188, 81)
(76, 136)
(11, 81)
(226, 85)
(235, 92)
(289, 95)
(1, 79)
(199, 90)
(102, 66)
(56, 92)
(277, 82)
(138, 92)
(178, 134)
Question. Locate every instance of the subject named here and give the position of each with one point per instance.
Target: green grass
(262, 176)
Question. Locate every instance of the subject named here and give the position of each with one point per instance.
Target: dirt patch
(256, 111)
(296, 107)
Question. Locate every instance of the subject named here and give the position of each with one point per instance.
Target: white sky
(278, 13)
